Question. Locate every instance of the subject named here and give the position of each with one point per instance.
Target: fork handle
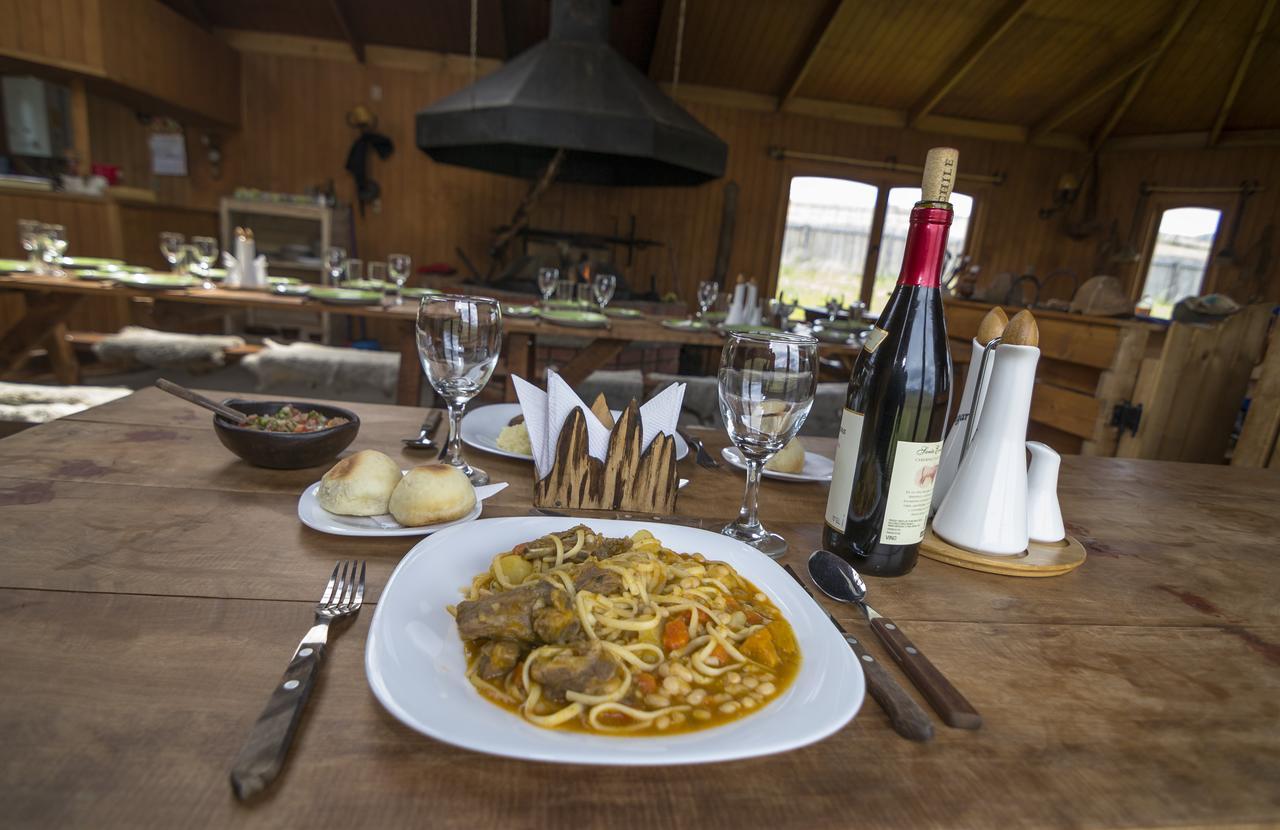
(956, 711)
(262, 756)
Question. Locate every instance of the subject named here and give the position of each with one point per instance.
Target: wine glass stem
(747, 515)
(455, 432)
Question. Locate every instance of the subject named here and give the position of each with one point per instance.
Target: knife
(703, 457)
(701, 524)
(906, 716)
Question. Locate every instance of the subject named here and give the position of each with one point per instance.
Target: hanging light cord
(475, 14)
(675, 74)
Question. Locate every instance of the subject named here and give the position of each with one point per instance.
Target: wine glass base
(770, 544)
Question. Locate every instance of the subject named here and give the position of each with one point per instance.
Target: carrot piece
(753, 617)
(675, 635)
(719, 655)
(646, 683)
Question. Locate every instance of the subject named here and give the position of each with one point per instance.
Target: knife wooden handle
(906, 716)
(945, 699)
(262, 756)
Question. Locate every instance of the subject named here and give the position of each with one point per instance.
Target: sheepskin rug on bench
(30, 403)
(331, 371)
(135, 346)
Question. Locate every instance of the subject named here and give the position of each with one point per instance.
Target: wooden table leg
(66, 368)
(409, 380)
(44, 314)
(521, 360)
(596, 354)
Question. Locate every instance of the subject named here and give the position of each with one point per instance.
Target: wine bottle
(890, 441)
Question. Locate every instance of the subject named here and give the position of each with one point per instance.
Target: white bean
(701, 714)
(657, 701)
(671, 685)
(761, 598)
(696, 697)
(664, 670)
(682, 672)
(677, 717)
(738, 620)
(749, 702)
(733, 677)
(735, 689)
(766, 689)
(750, 682)
(729, 708)
(663, 722)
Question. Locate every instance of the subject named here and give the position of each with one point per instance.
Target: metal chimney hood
(572, 91)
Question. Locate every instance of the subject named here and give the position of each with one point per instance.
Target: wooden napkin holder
(627, 480)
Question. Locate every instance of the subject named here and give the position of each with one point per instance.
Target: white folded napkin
(546, 412)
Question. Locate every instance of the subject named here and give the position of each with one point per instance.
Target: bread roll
(359, 485)
(431, 494)
(789, 460)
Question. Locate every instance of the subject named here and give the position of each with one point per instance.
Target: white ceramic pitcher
(985, 509)
(970, 407)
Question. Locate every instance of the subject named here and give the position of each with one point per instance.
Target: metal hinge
(1127, 415)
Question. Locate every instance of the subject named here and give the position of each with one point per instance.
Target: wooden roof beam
(1098, 86)
(1242, 69)
(340, 15)
(1171, 31)
(804, 59)
(967, 58)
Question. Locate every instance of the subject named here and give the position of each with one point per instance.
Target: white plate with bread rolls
(787, 465)
(367, 494)
(490, 428)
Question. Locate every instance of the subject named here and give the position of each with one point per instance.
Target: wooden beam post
(666, 34)
(1171, 32)
(966, 59)
(804, 59)
(1097, 86)
(340, 14)
(1242, 69)
(80, 127)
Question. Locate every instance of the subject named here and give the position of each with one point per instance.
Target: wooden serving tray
(1039, 559)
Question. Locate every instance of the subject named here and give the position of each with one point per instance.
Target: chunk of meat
(506, 615)
(557, 623)
(592, 577)
(584, 669)
(601, 547)
(497, 657)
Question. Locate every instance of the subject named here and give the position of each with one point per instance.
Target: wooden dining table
(50, 300)
(153, 587)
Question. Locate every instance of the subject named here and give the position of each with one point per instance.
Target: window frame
(883, 181)
(1225, 204)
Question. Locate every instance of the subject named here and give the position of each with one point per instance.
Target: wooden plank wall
(57, 34)
(1257, 444)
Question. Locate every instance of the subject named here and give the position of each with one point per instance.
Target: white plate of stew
(418, 669)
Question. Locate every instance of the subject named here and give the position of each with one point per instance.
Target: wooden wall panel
(57, 33)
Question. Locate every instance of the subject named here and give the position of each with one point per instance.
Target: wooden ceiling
(1093, 69)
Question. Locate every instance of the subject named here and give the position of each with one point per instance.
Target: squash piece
(784, 639)
(760, 648)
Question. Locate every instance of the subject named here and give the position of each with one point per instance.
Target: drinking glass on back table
(29, 236)
(767, 383)
(53, 244)
(459, 339)
(833, 307)
(708, 290)
(399, 265)
(353, 271)
(548, 278)
(335, 260)
(602, 288)
(205, 252)
(171, 248)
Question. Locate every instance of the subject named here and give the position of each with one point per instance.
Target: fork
(262, 757)
(703, 457)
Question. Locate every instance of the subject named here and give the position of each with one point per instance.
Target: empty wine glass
(785, 308)
(833, 307)
(53, 244)
(459, 339)
(204, 250)
(353, 271)
(708, 290)
(376, 272)
(767, 383)
(602, 288)
(400, 266)
(335, 260)
(29, 236)
(171, 248)
(548, 278)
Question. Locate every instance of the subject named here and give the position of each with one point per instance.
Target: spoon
(200, 400)
(424, 441)
(838, 580)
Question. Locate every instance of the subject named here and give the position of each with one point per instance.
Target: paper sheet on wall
(168, 154)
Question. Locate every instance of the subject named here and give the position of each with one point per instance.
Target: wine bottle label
(842, 476)
(906, 510)
(874, 338)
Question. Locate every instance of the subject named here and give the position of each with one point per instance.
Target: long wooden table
(152, 587)
(52, 299)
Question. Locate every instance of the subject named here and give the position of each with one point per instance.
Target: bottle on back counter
(890, 441)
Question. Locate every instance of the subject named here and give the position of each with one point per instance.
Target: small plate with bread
(499, 428)
(367, 494)
(794, 463)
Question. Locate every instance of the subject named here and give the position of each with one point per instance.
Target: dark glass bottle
(890, 440)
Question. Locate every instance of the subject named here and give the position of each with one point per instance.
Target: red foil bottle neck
(926, 246)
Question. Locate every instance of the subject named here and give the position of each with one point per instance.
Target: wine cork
(1021, 331)
(940, 168)
(992, 325)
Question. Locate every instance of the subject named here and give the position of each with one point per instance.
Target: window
(1180, 258)
(824, 246)
(825, 250)
(893, 239)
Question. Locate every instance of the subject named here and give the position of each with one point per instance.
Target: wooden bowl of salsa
(287, 435)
